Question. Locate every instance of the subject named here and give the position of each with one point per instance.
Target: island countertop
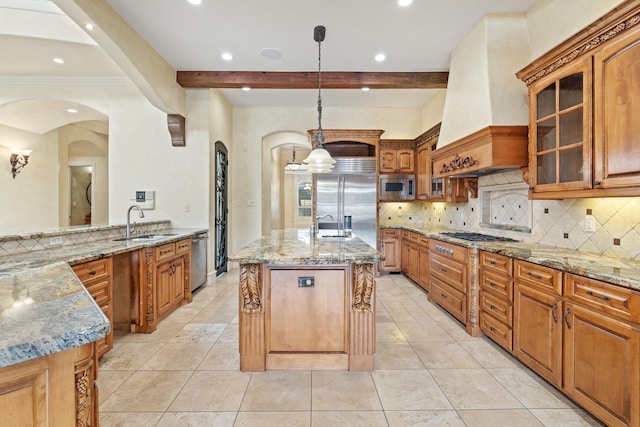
(298, 247)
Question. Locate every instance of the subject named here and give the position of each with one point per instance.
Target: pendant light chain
(320, 135)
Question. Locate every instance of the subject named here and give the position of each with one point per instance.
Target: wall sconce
(18, 160)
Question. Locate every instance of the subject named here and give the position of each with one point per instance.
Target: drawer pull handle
(93, 273)
(492, 307)
(95, 297)
(492, 329)
(536, 276)
(444, 270)
(566, 318)
(603, 297)
(492, 262)
(553, 312)
(443, 296)
(493, 285)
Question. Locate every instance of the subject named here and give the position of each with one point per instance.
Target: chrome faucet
(315, 226)
(128, 234)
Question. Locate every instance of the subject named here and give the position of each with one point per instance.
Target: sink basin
(145, 238)
(346, 235)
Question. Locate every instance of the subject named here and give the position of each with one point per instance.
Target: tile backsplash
(561, 223)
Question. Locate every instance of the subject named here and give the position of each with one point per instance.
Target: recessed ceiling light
(72, 110)
(89, 26)
(246, 88)
(404, 2)
(227, 56)
(270, 53)
(196, 2)
(365, 89)
(58, 60)
(380, 57)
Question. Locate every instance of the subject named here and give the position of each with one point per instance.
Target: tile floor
(428, 372)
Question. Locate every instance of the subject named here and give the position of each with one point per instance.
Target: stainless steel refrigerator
(348, 195)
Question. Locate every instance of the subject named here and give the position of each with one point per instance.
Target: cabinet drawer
(497, 331)
(183, 246)
(495, 262)
(448, 250)
(405, 234)
(390, 233)
(165, 252)
(93, 270)
(539, 276)
(614, 300)
(450, 299)
(414, 237)
(496, 284)
(451, 272)
(424, 241)
(100, 291)
(498, 308)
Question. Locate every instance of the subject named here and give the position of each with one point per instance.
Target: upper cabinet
(584, 99)
(396, 156)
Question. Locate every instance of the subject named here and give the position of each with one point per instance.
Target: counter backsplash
(559, 223)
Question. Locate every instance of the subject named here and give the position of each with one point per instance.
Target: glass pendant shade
(319, 161)
(293, 165)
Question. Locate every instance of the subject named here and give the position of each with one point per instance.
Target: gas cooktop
(478, 237)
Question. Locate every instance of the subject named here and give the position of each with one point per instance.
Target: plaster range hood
(489, 150)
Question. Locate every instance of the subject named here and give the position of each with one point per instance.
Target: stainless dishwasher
(198, 260)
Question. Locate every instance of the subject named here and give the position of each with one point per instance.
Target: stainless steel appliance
(397, 187)
(198, 260)
(348, 202)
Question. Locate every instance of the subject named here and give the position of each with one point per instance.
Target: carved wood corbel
(176, 124)
(250, 288)
(471, 185)
(362, 287)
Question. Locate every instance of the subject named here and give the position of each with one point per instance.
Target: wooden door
(164, 289)
(423, 172)
(537, 334)
(404, 161)
(391, 250)
(405, 256)
(414, 263)
(178, 281)
(387, 160)
(616, 106)
(602, 365)
(423, 269)
(560, 130)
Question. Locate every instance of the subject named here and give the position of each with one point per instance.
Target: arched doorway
(221, 207)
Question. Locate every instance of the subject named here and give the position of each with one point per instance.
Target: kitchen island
(306, 302)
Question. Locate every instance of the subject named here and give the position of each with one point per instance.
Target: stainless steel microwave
(397, 187)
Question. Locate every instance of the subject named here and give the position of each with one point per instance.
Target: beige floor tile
(129, 356)
(489, 354)
(499, 417)
(409, 390)
(383, 316)
(473, 389)
(109, 381)
(199, 332)
(348, 418)
(532, 392)
(565, 418)
(340, 390)
(424, 419)
(164, 332)
(231, 334)
(396, 355)
(146, 391)
(423, 331)
(129, 419)
(389, 332)
(220, 313)
(444, 355)
(212, 391)
(178, 357)
(197, 419)
(278, 391)
(221, 357)
(184, 315)
(273, 419)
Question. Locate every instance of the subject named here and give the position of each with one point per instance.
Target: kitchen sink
(346, 235)
(149, 237)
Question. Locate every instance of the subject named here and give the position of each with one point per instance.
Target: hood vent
(489, 150)
(354, 165)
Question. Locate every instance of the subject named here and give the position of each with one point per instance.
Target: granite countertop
(618, 271)
(44, 308)
(296, 246)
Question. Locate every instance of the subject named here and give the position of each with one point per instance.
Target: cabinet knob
(596, 183)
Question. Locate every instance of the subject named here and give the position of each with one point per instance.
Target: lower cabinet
(54, 390)
(423, 263)
(171, 277)
(390, 243)
(496, 298)
(448, 278)
(410, 255)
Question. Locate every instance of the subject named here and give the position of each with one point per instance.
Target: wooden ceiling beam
(309, 80)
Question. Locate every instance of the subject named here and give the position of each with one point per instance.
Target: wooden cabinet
(602, 349)
(410, 255)
(396, 156)
(423, 263)
(54, 390)
(584, 100)
(496, 298)
(423, 172)
(172, 280)
(390, 244)
(97, 278)
(448, 277)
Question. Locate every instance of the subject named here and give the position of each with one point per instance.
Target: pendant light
(293, 165)
(319, 159)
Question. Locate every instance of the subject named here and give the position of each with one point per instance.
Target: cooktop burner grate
(478, 237)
